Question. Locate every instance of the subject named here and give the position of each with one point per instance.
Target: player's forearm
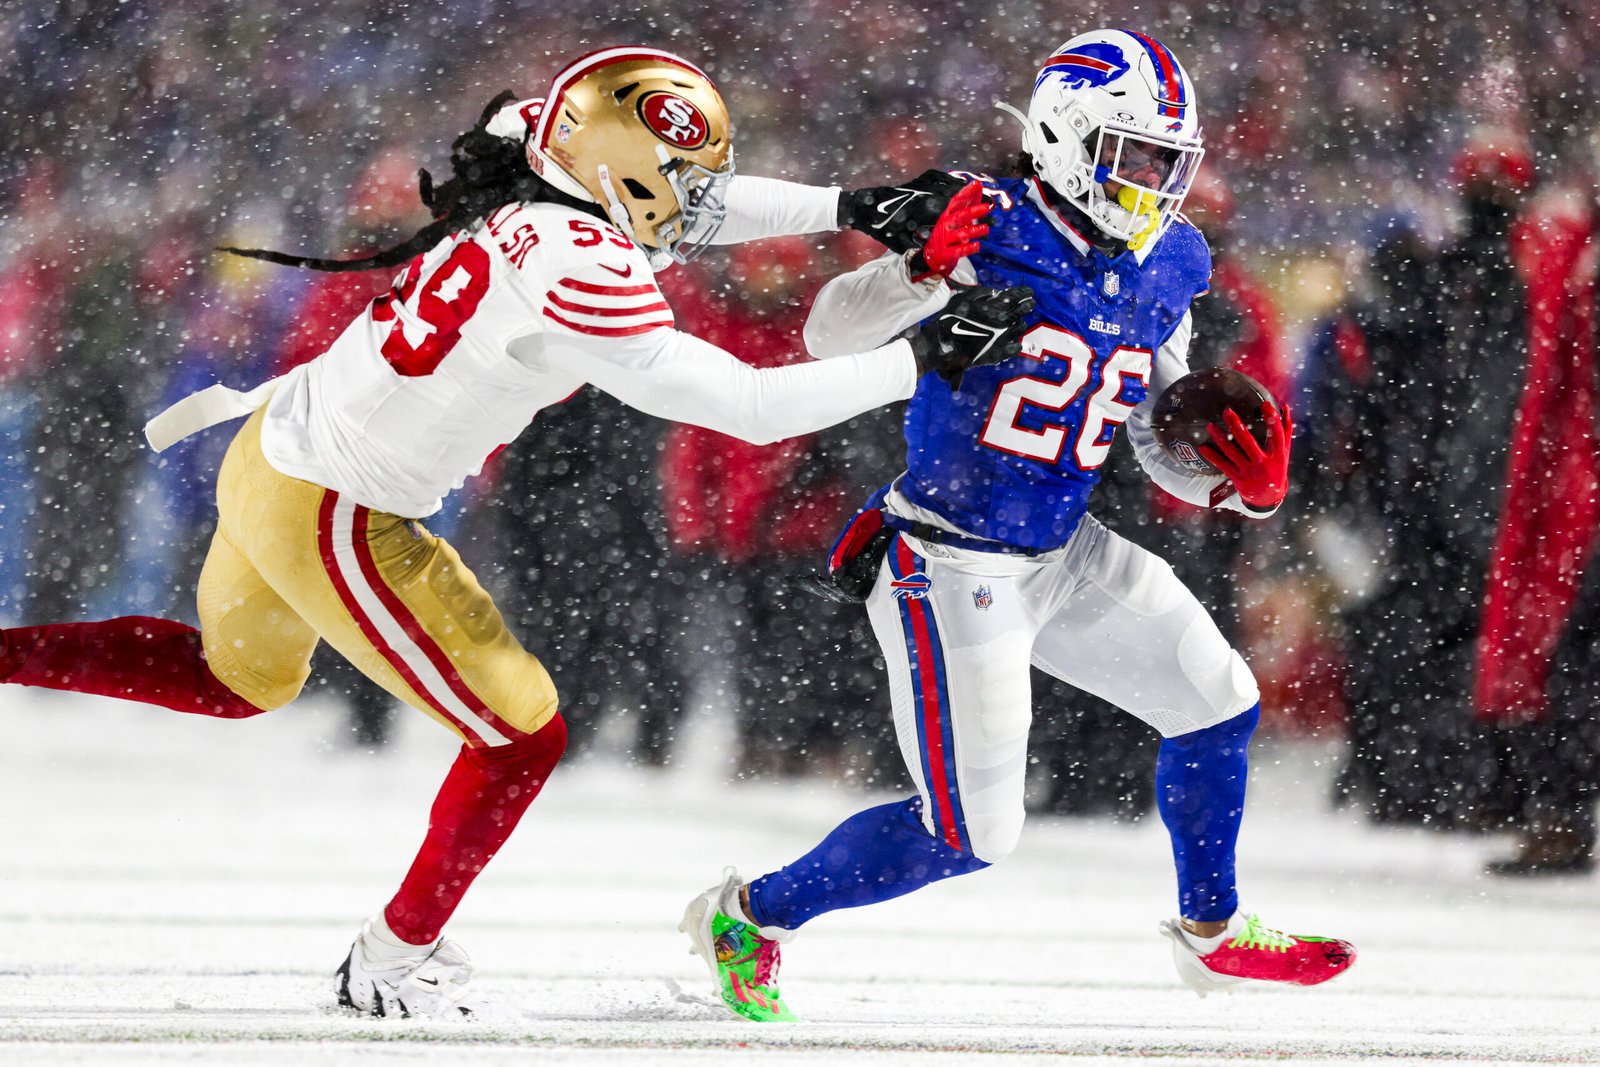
(869, 305)
(1201, 490)
(776, 403)
(770, 207)
(685, 379)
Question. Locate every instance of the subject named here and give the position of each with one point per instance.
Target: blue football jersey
(1013, 454)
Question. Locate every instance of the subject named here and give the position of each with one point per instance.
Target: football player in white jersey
(536, 278)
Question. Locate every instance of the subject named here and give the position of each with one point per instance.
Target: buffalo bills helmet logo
(1086, 66)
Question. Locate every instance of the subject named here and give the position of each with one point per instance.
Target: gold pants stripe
(293, 562)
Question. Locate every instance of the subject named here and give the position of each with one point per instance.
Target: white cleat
(433, 984)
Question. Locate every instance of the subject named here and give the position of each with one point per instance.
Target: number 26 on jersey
(1123, 379)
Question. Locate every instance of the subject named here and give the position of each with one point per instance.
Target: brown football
(1197, 400)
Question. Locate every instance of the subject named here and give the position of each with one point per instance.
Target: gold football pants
(292, 562)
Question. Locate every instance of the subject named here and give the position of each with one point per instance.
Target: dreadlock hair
(1017, 166)
(488, 173)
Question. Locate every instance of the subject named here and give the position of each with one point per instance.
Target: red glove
(964, 221)
(1261, 477)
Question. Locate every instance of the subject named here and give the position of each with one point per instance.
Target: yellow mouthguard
(1143, 207)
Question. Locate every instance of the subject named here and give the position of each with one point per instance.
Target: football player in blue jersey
(980, 559)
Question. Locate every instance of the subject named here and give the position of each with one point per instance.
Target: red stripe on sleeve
(590, 309)
(610, 290)
(609, 331)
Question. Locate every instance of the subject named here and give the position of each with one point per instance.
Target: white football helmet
(1115, 108)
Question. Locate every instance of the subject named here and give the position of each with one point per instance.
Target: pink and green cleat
(743, 963)
(1251, 951)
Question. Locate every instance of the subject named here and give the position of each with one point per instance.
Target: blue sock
(1200, 783)
(874, 855)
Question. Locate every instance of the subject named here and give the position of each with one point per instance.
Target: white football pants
(959, 629)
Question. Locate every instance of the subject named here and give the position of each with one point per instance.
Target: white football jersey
(515, 314)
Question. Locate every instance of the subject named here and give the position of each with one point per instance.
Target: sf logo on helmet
(673, 119)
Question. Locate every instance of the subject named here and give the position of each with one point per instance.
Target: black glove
(977, 326)
(852, 583)
(899, 216)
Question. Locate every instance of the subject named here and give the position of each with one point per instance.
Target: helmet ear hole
(1049, 134)
(638, 189)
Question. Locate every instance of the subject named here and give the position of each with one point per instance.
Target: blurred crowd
(1401, 198)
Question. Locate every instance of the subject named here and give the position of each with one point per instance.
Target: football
(1197, 400)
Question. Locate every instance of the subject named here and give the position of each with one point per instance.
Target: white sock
(384, 944)
(1207, 945)
(733, 909)
(1204, 945)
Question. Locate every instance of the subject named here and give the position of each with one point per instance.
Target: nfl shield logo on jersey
(982, 597)
(1111, 284)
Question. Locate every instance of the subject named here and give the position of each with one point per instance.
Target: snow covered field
(179, 890)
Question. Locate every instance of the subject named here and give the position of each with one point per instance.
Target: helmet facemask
(1149, 177)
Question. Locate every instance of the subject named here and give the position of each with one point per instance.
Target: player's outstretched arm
(674, 375)
(900, 217)
(677, 376)
(868, 306)
(770, 207)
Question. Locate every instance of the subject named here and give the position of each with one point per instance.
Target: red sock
(483, 796)
(136, 657)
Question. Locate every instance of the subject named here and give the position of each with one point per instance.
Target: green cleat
(743, 963)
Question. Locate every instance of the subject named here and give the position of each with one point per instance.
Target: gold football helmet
(645, 135)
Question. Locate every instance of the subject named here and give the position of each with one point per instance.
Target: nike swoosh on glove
(976, 328)
(1261, 475)
(899, 216)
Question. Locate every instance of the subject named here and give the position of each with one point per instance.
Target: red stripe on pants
(330, 564)
(419, 635)
(932, 726)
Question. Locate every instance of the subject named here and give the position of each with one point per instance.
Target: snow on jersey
(421, 388)
(1013, 455)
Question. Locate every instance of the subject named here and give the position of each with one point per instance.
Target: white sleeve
(677, 376)
(869, 305)
(769, 207)
(1202, 490)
